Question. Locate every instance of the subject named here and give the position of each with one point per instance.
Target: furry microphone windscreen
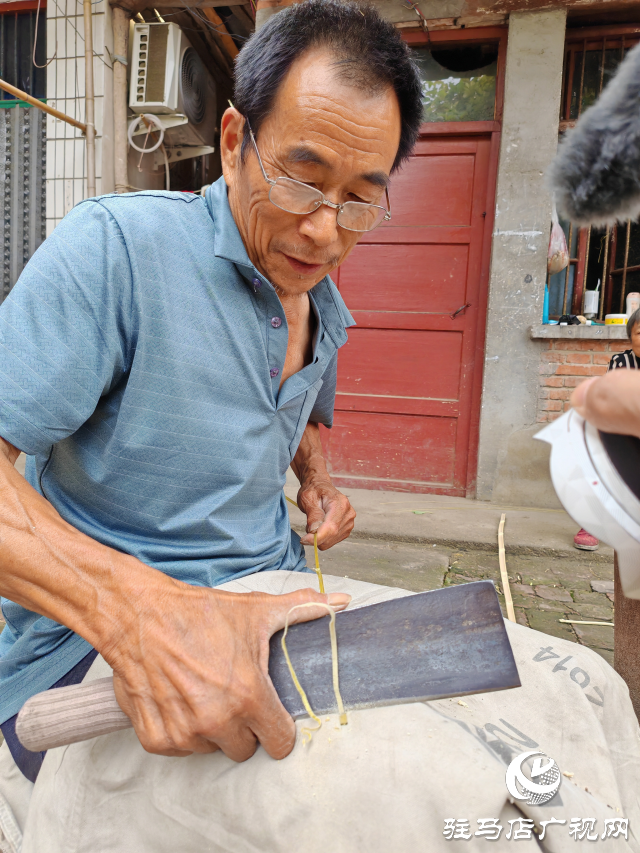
(596, 174)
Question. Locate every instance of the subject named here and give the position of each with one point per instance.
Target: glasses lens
(294, 197)
(356, 216)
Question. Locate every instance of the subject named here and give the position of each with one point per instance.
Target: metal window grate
(17, 33)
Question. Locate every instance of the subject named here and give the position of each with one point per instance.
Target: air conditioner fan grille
(193, 86)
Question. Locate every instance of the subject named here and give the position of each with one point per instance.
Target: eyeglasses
(296, 197)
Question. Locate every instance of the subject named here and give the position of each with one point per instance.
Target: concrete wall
(512, 467)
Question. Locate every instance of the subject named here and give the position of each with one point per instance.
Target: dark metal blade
(449, 642)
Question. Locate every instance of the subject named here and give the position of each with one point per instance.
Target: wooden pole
(89, 100)
(120, 143)
(23, 96)
(626, 639)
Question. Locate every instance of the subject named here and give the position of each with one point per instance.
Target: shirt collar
(228, 245)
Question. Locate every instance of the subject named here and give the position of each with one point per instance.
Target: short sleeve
(322, 412)
(65, 330)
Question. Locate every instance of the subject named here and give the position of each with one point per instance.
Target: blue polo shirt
(140, 360)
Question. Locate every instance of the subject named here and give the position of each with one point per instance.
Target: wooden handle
(70, 714)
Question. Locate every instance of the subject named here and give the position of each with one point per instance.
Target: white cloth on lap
(386, 782)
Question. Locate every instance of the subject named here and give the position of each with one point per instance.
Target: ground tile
(550, 593)
(548, 624)
(595, 636)
(559, 607)
(589, 598)
(522, 589)
(406, 566)
(602, 611)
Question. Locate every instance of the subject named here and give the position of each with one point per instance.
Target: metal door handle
(460, 310)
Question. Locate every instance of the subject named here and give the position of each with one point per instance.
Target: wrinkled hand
(611, 402)
(328, 512)
(191, 668)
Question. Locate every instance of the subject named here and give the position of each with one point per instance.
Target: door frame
(493, 128)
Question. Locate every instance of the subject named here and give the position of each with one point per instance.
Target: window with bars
(611, 255)
(17, 35)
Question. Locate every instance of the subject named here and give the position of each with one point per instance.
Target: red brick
(554, 415)
(573, 381)
(560, 393)
(581, 346)
(547, 369)
(554, 357)
(581, 369)
(578, 358)
(618, 346)
(552, 381)
(542, 418)
(601, 358)
(551, 405)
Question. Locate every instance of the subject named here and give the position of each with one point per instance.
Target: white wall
(66, 163)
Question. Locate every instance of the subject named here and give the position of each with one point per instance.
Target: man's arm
(190, 663)
(328, 511)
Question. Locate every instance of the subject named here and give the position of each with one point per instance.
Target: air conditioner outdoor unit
(168, 79)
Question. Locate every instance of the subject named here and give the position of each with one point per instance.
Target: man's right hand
(191, 668)
(190, 663)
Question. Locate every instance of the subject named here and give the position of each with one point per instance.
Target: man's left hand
(328, 512)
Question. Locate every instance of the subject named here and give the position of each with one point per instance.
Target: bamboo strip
(23, 96)
(511, 614)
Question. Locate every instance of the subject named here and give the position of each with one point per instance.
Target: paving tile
(559, 607)
(522, 589)
(602, 586)
(595, 636)
(581, 597)
(602, 611)
(548, 623)
(407, 566)
(550, 593)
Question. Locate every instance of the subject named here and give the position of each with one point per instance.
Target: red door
(408, 380)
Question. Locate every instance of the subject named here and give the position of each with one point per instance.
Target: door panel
(399, 449)
(406, 376)
(377, 363)
(432, 275)
(433, 191)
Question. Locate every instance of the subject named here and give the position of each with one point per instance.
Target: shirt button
(274, 372)
(256, 283)
(276, 322)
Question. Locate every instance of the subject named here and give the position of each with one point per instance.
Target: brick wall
(566, 364)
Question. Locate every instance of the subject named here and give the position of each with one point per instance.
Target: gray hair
(633, 319)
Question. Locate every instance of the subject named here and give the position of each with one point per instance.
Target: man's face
(322, 132)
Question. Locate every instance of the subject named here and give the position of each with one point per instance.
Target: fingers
(283, 605)
(579, 396)
(329, 513)
(611, 403)
(273, 726)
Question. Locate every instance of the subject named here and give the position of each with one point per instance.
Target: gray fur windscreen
(596, 174)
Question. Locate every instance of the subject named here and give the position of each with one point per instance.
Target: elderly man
(165, 358)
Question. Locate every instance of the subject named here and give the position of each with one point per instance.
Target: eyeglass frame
(325, 201)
